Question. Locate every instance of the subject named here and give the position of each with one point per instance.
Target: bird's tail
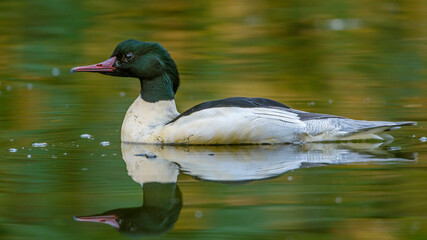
(344, 129)
(375, 131)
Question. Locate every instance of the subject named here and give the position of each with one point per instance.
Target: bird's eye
(129, 56)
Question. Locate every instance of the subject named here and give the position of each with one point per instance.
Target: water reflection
(245, 163)
(162, 203)
(156, 168)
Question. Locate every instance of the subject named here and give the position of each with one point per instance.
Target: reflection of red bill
(107, 219)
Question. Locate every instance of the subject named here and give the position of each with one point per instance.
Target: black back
(242, 102)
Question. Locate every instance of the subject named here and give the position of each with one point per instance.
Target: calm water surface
(62, 159)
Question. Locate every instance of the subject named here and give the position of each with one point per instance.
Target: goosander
(153, 117)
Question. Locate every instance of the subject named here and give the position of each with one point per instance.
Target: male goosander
(153, 117)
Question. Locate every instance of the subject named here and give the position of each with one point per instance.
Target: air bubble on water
(311, 103)
(330, 101)
(413, 136)
(55, 72)
(336, 24)
(122, 94)
(39, 144)
(338, 200)
(198, 214)
(9, 88)
(105, 143)
(54, 156)
(114, 154)
(423, 139)
(29, 86)
(11, 140)
(84, 169)
(290, 178)
(103, 155)
(65, 154)
(12, 150)
(29, 156)
(85, 135)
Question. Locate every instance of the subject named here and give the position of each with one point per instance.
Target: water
(60, 147)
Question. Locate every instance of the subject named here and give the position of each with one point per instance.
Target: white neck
(143, 117)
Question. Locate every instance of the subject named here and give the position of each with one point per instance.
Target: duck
(153, 117)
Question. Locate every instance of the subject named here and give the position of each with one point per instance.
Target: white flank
(233, 125)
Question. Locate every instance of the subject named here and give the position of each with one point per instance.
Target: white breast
(143, 119)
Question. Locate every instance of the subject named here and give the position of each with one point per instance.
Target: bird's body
(160, 122)
(153, 117)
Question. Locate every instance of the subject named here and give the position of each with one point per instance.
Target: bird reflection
(246, 162)
(158, 214)
(156, 168)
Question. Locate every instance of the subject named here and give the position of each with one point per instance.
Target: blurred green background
(360, 59)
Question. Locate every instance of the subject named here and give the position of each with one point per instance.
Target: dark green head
(149, 62)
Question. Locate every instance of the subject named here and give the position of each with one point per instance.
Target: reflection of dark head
(159, 212)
